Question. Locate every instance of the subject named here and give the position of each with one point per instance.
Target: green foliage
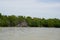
(10, 21)
(3, 21)
(50, 22)
(56, 23)
(20, 19)
(36, 22)
(29, 20)
(0, 14)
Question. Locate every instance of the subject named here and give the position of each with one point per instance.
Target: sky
(33, 8)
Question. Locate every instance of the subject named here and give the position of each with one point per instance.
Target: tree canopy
(12, 21)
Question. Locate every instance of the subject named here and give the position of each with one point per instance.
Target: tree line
(12, 21)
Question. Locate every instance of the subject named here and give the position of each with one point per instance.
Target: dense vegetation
(10, 21)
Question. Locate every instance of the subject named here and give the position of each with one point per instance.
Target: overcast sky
(34, 8)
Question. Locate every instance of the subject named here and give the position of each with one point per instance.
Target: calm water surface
(19, 33)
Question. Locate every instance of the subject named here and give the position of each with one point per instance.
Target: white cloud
(28, 4)
(30, 7)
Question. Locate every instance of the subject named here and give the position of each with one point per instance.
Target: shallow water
(19, 33)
